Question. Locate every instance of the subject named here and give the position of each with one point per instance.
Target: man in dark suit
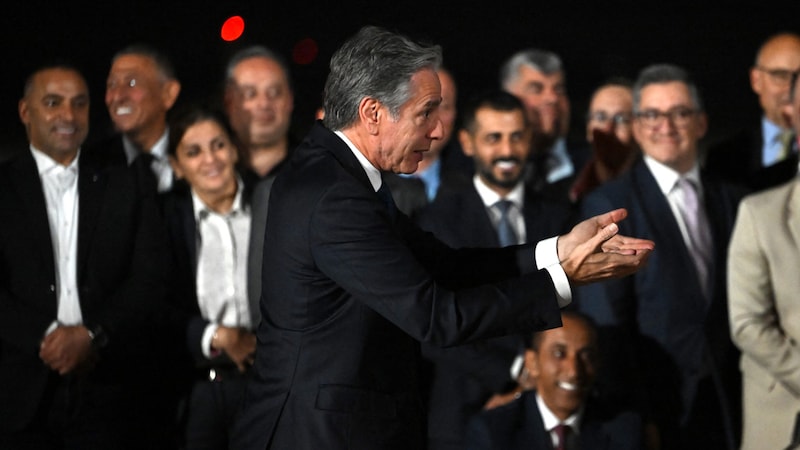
(350, 285)
(561, 413)
(80, 280)
(495, 133)
(537, 78)
(140, 90)
(671, 317)
(764, 156)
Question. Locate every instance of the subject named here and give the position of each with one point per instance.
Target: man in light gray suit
(763, 286)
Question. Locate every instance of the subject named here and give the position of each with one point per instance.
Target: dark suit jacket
(120, 279)
(673, 333)
(464, 377)
(347, 294)
(519, 426)
(738, 160)
(178, 212)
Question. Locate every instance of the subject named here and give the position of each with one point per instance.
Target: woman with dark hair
(216, 256)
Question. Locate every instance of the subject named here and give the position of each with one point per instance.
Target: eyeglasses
(653, 118)
(603, 118)
(779, 76)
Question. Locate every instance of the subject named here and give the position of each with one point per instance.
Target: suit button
(52, 288)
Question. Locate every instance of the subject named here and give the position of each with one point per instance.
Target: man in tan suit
(763, 285)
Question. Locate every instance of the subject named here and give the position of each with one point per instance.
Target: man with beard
(494, 210)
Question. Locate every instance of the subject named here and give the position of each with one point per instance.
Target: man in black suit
(561, 413)
(495, 209)
(671, 317)
(350, 285)
(141, 89)
(764, 156)
(80, 278)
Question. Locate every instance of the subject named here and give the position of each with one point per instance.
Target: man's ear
(465, 139)
(370, 114)
(531, 363)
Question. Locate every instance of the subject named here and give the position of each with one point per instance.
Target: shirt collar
(159, 149)
(551, 421)
(44, 163)
(373, 173)
(770, 131)
(490, 197)
(666, 177)
(202, 210)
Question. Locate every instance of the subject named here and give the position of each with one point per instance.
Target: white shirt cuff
(53, 325)
(547, 258)
(205, 341)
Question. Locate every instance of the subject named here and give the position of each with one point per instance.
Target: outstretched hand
(593, 251)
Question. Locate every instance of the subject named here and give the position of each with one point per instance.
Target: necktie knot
(562, 432)
(66, 178)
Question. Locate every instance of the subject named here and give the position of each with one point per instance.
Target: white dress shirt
(222, 267)
(517, 199)
(551, 421)
(60, 185)
(667, 180)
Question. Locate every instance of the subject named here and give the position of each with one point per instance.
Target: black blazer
(464, 377)
(178, 212)
(348, 293)
(519, 426)
(121, 278)
(674, 335)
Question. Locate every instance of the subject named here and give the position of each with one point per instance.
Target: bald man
(766, 155)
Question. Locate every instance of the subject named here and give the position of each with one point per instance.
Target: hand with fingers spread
(238, 343)
(593, 251)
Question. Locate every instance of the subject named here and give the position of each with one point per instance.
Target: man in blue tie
(494, 210)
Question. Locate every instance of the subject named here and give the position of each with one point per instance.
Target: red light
(232, 29)
(305, 51)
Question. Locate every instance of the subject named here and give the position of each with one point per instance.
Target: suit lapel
(25, 177)
(476, 220)
(793, 212)
(91, 182)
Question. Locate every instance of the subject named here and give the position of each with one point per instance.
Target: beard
(507, 180)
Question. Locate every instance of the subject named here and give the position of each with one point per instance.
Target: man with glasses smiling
(764, 156)
(674, 354)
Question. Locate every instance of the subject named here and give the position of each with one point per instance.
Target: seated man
(559, 414)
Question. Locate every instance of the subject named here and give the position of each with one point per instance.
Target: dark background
(596, 40)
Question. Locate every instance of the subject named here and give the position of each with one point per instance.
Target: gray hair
(664, 73)
(159, 58)
(374, 63)
(542, 61)
(255, 51)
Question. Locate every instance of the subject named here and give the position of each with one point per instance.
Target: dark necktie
(143, 164)
(386, 196)
(562, 431)
(505, 231)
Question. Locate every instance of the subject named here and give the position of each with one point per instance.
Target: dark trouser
(212, 409)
